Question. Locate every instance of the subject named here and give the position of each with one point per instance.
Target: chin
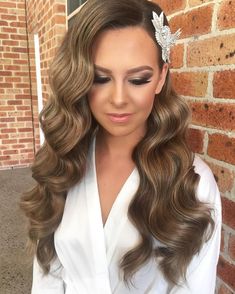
(121, 131)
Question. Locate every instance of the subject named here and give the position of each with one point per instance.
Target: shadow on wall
(15, 262)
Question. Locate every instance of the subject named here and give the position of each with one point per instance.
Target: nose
(118, 96)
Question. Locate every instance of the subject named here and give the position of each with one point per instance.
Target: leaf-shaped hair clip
(164, 36)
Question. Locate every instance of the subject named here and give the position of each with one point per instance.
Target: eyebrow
(130, 71)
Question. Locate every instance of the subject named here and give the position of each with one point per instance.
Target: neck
(117, 146)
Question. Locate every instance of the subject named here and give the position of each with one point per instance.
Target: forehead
(125, 47)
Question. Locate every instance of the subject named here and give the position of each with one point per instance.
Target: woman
(121, 204)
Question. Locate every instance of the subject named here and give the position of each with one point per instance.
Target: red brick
(11, 55)
(25, 130)
(171, 6)
(17, 24)
(224, 177)
(7, 4)
(177, 56)
(195, 140)
(58, 8)
(195, 22)
(197, 2)
(212, 51)
(8, 131)
(226, 272)
(4, 158)
(4, 36)
(10, 141)
(21, 50)
(59, 19)
(10, 152)
(231, 246)
(224, 290)
(12, 80)
(224, 85)
(228, 212)
(20, 5)
(226, 15)
(24, 118)
(18, 37)
(14, 102)
(7, 119)
(11, 67)
(9, 30)
(8, 17)
(26, 140)
(10, 43)
(190, 83)
(222, 148)
(26, 150)
(5, 73)
(217, 115)
(6, 85)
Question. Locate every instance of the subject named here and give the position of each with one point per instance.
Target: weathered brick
(177, 56)
(171, 6)
(224, 177)
(226, 272)
(212, 51)
(216, 115)
(195, 22)
(7, 4)
(222, 148)
(190, 83)
(195, 140)
(231, 246)
(226, 15)
(198, 2)
(59, 8)
(228, 212)
(224, 85)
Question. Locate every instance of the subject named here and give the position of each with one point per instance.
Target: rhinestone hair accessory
(163, 35)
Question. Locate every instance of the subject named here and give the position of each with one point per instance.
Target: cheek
(146, 100)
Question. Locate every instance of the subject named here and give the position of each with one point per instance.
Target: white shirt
(89, 253)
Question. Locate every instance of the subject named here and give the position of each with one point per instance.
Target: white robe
(89, 253)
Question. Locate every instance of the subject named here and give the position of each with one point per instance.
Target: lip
(119, 117)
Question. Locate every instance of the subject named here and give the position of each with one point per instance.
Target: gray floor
(15, 262)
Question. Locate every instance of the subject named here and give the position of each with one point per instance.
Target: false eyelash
(140, 81)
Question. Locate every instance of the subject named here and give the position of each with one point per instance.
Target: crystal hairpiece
(163, 35)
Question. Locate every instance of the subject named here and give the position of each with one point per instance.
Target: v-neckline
(115, 203)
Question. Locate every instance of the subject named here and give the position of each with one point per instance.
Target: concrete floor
(15, 262)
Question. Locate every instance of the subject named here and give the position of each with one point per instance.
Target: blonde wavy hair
(165, 206)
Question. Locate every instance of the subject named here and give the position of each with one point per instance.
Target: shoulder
(207, 189)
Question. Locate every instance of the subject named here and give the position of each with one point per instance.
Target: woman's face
(127, 77)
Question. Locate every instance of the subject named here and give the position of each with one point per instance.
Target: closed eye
(139, 82)
(101, 79)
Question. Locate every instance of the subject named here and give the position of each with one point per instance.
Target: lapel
(117, 217)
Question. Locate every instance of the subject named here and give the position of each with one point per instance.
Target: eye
(101, 79)
(140, 81)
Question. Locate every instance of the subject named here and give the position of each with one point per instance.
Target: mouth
(119, 117)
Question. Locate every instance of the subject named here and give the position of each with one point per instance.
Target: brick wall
(203, 67)
(16, 132)
(19, 130)
(48, 20)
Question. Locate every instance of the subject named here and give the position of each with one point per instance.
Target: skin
(127, 77)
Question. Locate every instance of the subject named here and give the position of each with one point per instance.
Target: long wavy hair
(165, 206)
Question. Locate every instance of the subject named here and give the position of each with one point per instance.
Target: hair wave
(165, 206)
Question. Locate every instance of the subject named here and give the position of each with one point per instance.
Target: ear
(162, 78)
